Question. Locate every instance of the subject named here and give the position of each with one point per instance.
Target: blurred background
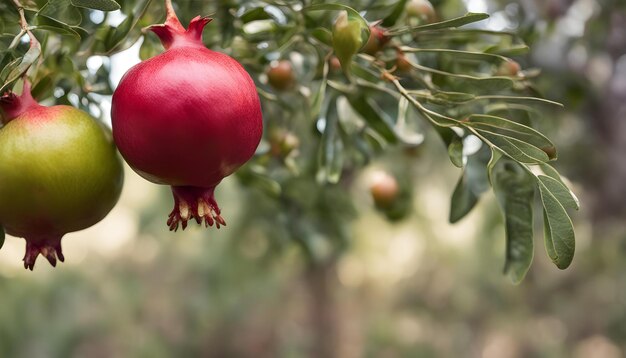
(345, 281)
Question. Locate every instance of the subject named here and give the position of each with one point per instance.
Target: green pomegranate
(59, 173)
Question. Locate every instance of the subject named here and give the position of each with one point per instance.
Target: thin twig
(24, 23)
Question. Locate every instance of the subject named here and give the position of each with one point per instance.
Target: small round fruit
(384, 189)
(422, 10)
(376, 42)
(59, 173)
(402, 63)
(508, 68)
(283, 142)
(335, 65)
(280, 75)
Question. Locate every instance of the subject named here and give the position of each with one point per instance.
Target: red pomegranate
(187, 118)
(59, 173)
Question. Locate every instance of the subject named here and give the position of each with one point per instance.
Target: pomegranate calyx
(172, 33)
(48, 247)
(194, 203)
(13, 105)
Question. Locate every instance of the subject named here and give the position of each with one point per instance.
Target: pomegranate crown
(13, 105)
(173, 33)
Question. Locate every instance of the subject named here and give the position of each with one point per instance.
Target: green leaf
(254, 14)
(330, 157)
(552, 173)
(559, 235)
(454, 97)
(559, 191)
(515, 148)
(323, 35)
(459, 54)
(103, 5)
(320, 95)
(473, 182)
(515, 191)
(375, 117)
(50, 24)
(512, 129)
(29, 58)
(257, 176)
(393, 17)
(61, 11)
(463, 200)
(455, 151)
(456, 22)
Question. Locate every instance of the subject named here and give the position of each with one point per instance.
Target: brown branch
(24, 23)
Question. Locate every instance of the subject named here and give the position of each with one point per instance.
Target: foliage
(343, 119)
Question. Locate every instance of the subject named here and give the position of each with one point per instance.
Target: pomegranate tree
(59, 173)
(187, 118)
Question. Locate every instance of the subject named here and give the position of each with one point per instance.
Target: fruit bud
(346, 39)
(376, 41)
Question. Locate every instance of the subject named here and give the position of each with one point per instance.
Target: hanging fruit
(187, 118)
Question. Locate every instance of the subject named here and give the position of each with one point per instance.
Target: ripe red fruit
(187, 118)
(59, 173)
(280, 75)
(384, 189)
(376, 41)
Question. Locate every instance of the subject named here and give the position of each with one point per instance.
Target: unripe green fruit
(346, 39)
(59, 173)
(280, 75)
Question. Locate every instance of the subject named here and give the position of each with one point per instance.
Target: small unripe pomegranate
(335, 65)
(283, 142)
(59, 173)
(508, 68)
(376, 41)
(187, 118)
(280, 75)
(384, 189)
(422, 10)
(346, 39)
(402, 63)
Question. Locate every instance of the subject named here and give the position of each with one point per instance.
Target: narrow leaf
(515, 191)
(103, 5)
(552, 173)
(560, 192)
(512, 129)
(559, 235)
(456, 22)
(463, 200)
(515, 148)
(455, 151)
(29, 58)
